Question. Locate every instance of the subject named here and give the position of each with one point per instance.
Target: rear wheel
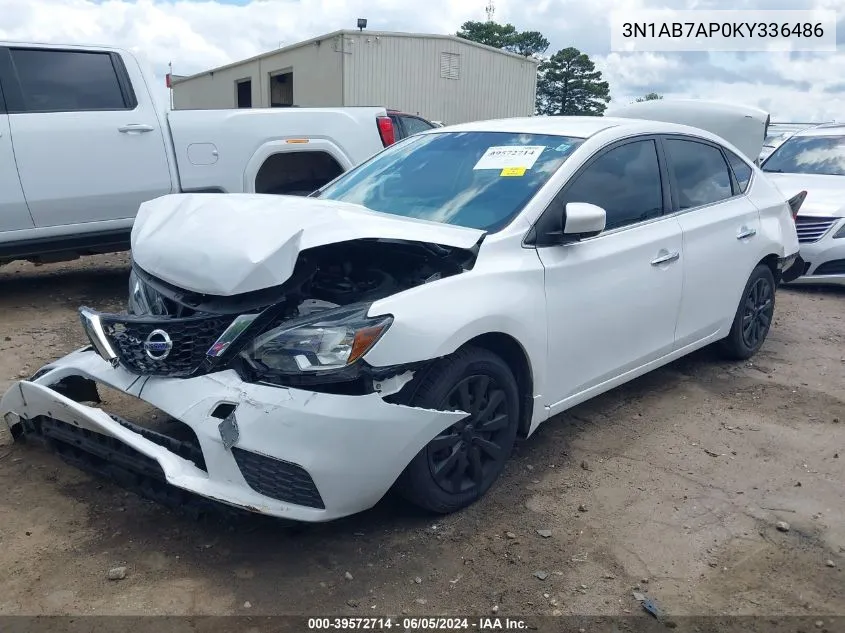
(753, 317)
(462, 462)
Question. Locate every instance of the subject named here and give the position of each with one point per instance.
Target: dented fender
(504, 293)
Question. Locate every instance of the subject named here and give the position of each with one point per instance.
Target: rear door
(720, 227)
(87, 148)
(14, 214)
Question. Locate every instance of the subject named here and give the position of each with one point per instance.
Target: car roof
(576, 126)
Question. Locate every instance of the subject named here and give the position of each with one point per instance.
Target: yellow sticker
(513, 171)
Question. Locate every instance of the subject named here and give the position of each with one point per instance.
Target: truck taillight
(385, 130)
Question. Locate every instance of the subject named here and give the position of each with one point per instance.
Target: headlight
(332, 339)
(143, 300)
(840, 232)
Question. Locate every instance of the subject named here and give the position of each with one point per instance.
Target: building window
(450, 65)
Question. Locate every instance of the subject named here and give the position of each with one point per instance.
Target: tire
(466, 442)
(753, 318)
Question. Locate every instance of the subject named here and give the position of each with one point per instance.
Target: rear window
(67, 81)
(479, 180)
(824, 155)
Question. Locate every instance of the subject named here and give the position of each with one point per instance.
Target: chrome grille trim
(811, 229)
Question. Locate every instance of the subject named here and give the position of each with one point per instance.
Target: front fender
(435, 319)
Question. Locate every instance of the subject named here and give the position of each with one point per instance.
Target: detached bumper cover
(333, 455)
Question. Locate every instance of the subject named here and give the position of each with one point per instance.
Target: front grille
(810, 229)
(277, 479)
(190, 340)
(833, 267)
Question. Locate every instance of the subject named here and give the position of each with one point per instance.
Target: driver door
(613, 299)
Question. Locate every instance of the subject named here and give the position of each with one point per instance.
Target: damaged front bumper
(284, 452)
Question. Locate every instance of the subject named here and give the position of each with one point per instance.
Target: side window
(67, 81)
(700, 172)
(413, 125)
(398, 130)
(741, 170)
(624, 181)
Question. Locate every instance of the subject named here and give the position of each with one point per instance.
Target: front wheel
(462, 462)
(753, 317)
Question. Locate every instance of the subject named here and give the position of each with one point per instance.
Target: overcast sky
(196, 35)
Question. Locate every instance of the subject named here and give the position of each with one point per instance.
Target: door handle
(665, 258)
(746, 232)
(133, 128)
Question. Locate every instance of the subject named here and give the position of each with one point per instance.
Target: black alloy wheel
(461, 463)
(759, 308)
(464, 454)
(753, 317)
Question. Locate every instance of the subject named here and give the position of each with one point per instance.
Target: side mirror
(581, 219)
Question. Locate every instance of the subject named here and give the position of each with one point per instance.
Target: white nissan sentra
(405, 324)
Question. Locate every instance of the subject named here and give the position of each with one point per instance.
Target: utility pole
(491, 9)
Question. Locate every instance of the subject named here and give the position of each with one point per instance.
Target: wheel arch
(771, 260)
(513, 353)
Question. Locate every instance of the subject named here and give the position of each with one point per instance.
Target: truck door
(88, 144)
(14, 214)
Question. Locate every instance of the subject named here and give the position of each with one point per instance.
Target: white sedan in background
(813, 160)
(405, 324)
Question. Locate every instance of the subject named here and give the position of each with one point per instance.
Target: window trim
(16, 101)
(676, 210)
(530, 239)
(745, 162)
(2, 98)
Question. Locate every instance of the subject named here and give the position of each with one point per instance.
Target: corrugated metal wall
(316, 79)
(441, 79)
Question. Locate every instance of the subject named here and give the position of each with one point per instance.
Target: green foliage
(569, 84)
(651, 96)
(505, 37)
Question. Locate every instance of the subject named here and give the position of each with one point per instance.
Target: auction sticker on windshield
(510, 157)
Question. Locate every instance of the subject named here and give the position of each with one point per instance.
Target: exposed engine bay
(324, 277)
(278, 335)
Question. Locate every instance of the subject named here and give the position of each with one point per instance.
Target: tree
(505, 37)
(651, 96)
(569, 84)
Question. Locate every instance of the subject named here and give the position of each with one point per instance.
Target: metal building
(440, 77)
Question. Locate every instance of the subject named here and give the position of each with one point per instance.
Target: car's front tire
(459, 465)
(753, 318)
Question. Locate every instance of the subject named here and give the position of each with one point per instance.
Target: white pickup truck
(84, 141)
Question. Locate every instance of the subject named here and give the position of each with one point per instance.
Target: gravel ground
(671, 487)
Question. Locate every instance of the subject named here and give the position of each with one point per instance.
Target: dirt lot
(671, 486)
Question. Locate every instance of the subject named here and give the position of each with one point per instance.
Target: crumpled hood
(825, 194)
(228, 244)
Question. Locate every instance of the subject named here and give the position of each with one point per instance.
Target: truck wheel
(753, 317)
(459, 465)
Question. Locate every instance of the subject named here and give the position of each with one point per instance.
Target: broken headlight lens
(329, 340)
(143, 300)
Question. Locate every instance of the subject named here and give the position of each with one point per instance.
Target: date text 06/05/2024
(722, 29)
(417, 624)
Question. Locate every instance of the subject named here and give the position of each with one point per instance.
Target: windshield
(823, 155)
(479, 180)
